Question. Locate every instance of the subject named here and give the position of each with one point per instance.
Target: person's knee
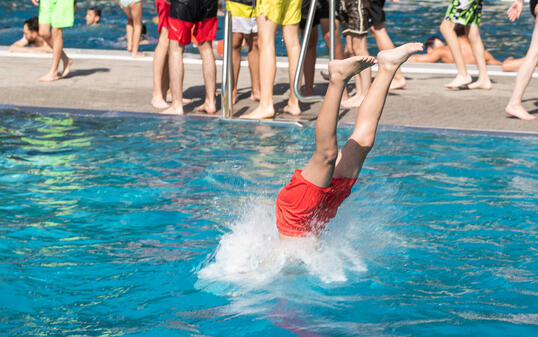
(328, 155)
(44, 32)
(446, 27)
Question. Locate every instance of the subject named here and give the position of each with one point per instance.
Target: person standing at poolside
(321, 17)
(514, 107)
(376, 22)
(244, 27)
(313, 196)
(160, 57)
(57, 14)
(31, 39)
(468, 14)
(354, 17)
(184, 15)
(270, 14)
(133, 28)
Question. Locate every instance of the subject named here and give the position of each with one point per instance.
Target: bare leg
(483, 81)
(338, 48)
(290, 34)
(209, 69)
(254, 66)
(128, 28)
(319, 169)
(136, 13)
(159, 69)
(359, 49)
(310, 62)
(266, 40)
(57, 49)
(463, 78)
(175, 64)
(514, 107)
(384, 42)
(354, 152)
(237, 42)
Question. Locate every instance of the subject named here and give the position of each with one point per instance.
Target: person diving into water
(313, 196)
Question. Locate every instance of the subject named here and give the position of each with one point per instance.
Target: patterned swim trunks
(354, 16)
(465, 12)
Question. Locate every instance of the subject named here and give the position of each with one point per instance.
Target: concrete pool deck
(112, 81)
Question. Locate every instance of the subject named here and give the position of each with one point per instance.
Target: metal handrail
(298, 71)
(304, 46)
(226, 87)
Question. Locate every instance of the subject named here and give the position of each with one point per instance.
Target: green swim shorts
(57, 13)
(465, 12)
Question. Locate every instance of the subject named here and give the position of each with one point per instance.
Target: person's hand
(35, 2)
(167, 1)
(515, 10)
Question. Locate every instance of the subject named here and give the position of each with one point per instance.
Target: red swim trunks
(186, 14)
(303, 208)
(180, 31)
(163, 10)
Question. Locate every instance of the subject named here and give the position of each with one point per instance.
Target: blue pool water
(165, 227)
(407, 20)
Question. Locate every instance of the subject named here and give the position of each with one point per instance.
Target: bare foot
(393, 58)
(173, 110)
(234, 98)
(397, 83)
(67, 67)
(517, 110)
(481, 84)
(254, 97)
(260, 113)
(292, 110)
(459, 81)
(343, 70)
(207, 108)
(49, 77)
(159, 103)
(353, 102)
(138, 55)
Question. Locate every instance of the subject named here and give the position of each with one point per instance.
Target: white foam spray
(251, 254)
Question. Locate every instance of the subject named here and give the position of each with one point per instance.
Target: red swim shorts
(163, 10)
(303, 208)
(180, 31)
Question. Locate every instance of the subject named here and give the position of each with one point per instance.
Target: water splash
(251, 255)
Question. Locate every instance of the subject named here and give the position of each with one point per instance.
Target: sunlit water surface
(165, 227)
(407, 20)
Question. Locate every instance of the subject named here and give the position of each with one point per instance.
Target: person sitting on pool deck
(30, 38)
(93, 16)
(437, 50)
(312, 198)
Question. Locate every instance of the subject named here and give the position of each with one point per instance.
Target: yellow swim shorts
(282, 12)
(238, 9)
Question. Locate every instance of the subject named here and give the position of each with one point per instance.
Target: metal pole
(306, 37)
(331, 35)
(226, 88)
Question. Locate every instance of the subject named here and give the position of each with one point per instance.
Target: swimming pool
(407, 20)
(165, 227)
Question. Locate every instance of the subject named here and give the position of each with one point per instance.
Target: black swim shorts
(354, 16)
(533, 7)
(193, 10)
(305, 7)
(376, 14)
